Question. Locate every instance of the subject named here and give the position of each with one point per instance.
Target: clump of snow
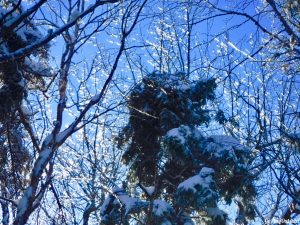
(227, 141)
(221, 145)
(216, 212)
(95, 98)
(27, 111)
(206, 171)
(120, 198)
(182, 133)
(203, 179)
(176, 134)
(150, 190)
(38, 68)
(127, 202)
(2, 11)
(161, 208)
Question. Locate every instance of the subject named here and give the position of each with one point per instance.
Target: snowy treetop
(177, 81)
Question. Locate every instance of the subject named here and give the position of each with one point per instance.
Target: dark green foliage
(161, 102)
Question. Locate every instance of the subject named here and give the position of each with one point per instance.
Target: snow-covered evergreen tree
(181, 172)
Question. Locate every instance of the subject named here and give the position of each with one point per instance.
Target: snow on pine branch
(119, 199)
(202, 180)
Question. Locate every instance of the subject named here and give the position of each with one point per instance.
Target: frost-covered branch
(57, 137)
(52, 34)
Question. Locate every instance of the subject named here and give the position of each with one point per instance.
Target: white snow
(40, 68)
(179, 134)
(128, 202)
(21, 33)
(26, 110)
(42, 159)
(63, 134)
(215, 212)
(24, 31)
(23, 203)
(175, 133)
(2, 11)
(222, 144)
(203, 179)
(95, 98)
(182, 133)
(172, 81)
(150, 190)
(176, 81)
(227, 141)
(160, 208)
(125, 200)
(120, 197)
(205, 171)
